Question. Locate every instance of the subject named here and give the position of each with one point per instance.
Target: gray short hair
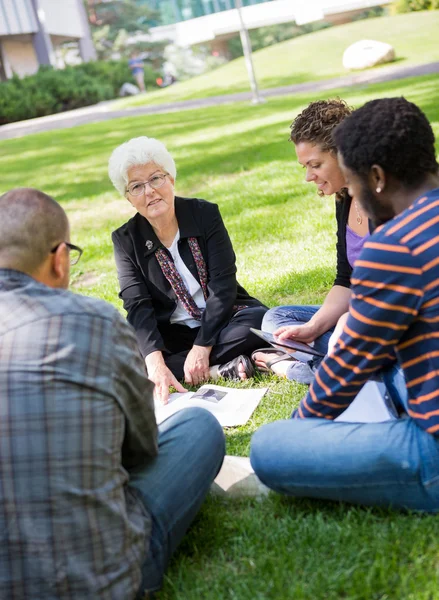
(138, 151)
(31, 224)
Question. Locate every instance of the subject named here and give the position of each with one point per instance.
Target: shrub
(116, 73)
(51, 91)
(113, 72)
(14, 105)
(405, 6)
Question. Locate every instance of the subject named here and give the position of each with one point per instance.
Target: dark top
(344, 269)
(147, 295)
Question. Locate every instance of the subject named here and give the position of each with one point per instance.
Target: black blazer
(147, 295)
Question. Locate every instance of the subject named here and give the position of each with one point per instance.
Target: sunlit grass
(284, 237)
(310, 57)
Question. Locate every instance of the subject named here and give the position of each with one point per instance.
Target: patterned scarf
(173, 276)
(177, 284)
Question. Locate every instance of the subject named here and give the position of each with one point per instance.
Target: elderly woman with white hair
(177, 276)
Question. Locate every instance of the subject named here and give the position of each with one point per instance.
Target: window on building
(173, 11)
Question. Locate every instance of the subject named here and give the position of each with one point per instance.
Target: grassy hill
(311, 57)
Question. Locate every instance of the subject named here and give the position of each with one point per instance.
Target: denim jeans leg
(287, 315)
(280, 316)
(174, 485)
(394, 463)
(394, 379)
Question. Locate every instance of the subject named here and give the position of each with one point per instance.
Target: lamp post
(247, 48)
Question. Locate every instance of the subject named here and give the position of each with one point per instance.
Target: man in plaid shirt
(93, 497)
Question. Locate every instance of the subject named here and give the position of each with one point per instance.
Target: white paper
(237, 479)
(369, 406)
(231, 406)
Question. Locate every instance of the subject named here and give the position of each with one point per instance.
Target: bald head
(31, 225)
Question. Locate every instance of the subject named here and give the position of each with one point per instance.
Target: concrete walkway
(106, 111)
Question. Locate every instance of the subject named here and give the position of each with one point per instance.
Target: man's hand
(161, 376)
(196, 366)
(302, 333)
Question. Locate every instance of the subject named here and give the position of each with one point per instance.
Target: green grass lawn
(284, 237)
(310, 57)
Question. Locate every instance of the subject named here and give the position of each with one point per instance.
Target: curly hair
(392, 133)
(316, 123)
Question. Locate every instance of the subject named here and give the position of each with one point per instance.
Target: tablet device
(286, 344)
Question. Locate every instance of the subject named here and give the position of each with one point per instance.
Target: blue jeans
(303, 370)
(174, 484)
(394, 464)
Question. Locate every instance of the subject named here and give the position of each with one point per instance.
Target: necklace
(359, 215)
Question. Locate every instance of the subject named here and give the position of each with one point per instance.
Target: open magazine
(231, 406)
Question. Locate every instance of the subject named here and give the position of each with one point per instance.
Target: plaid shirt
(76, 415)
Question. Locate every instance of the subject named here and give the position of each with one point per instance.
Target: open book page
(371, 405)
(231, 406)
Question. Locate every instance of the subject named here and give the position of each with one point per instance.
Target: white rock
(367, 53)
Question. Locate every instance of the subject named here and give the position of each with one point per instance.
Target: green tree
(405, 6)
(114, 22)
(119, 14)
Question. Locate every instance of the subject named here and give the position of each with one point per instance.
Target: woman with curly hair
(311, 133)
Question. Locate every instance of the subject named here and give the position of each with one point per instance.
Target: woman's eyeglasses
(156, 182)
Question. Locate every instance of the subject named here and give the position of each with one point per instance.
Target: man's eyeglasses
(74, 251)
(156, 182)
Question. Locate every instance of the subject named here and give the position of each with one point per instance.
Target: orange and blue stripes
(394, 315)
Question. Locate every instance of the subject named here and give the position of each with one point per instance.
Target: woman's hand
(335, 305)
(196, 366)
(302, 333)
(161, 376)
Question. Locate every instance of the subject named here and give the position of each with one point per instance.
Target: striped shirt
(76, 414)
(394, 310)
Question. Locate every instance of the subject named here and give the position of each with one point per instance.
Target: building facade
(31, 30)
(175, 11)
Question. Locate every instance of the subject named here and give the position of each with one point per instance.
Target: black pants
(234, 339)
